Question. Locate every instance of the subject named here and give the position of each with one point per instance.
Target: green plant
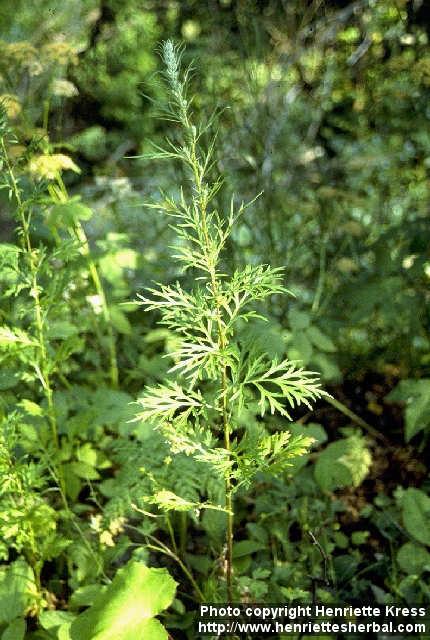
(42, 461)
(126, 609)
(89, 497)
(344, 462)
(416, 395)
(216, 374)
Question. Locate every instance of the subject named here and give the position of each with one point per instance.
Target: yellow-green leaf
(126, 610)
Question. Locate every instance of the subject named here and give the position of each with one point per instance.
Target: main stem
(227, 444)
(222, 341)
(199, 169)
(228, 499)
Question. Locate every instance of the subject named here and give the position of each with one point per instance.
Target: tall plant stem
(199, 167)
(42, 364)
(199, 171)
(229, 507)
(222, 338)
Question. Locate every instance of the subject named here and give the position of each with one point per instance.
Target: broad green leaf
(343, 463)
(345, 567)
(359, 537)
(341, 540)
(202, 564)
(72, 482)
(126, 610)
(418, 414)
(293, 594)
(85, 596)
(63, 632)
(409, 588)
(15, 630)
(84, 470)
(246, 548)
(413, 558)
(331, 474)
(416, 514)
(54, 619)
(17, 588)
(416, 395)
(87, 454)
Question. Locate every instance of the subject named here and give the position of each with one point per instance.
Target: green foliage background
(322, 106)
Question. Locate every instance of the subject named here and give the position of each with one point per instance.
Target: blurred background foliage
(324, 107)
